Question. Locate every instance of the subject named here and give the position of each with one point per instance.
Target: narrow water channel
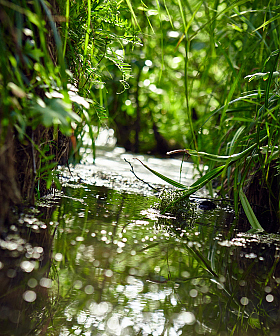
(97, 259)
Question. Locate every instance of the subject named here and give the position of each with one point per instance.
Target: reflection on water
(25, 259)
(118, 272)
(104, 262)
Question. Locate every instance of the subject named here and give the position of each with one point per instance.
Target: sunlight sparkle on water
(100, 309)
(89, 289)
(29, 296)
(27, 266)
(244, 301)
(269, 298)
(32, 283)
(45, 282)
(186, 318)
(78, 284)
(58, 257)
(193, 293)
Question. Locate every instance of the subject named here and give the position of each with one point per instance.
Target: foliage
(35, 84)
(226, 93)
(33, 87)
(51, 88)
(94, 35)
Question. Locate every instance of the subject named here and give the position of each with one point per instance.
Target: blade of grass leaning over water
(201, 182)
(250, 213)
(164, 178)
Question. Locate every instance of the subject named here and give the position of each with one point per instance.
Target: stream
(97, 258)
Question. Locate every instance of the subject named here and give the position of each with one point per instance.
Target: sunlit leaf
(164, 178)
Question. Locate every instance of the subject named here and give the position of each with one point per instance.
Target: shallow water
(104, 262)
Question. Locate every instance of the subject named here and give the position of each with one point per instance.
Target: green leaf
(201, 182)
(250, 213)
(234, 142)
(164, 178)
(223, 158)
(129, 5)
(208, 177)
(276, 17)
(56, 111)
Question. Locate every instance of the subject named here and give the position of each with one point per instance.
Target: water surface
(98, 259)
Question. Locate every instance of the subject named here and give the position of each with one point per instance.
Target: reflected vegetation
(122, 270)
(118, 267)
(25, 261)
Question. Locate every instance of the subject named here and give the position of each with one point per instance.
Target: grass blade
(249, 212)
(135, 21)
(88, 27)
(201, 182)
(67, 14)
(164, 178)
(222, 158)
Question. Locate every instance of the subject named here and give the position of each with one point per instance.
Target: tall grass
(237, 69)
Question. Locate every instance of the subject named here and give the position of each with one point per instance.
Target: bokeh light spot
(29, 296)
(244, 301)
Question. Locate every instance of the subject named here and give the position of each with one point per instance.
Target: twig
(132, 170)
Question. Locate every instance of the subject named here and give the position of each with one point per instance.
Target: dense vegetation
(164, 75)
(51, 87)
(197, 75)
(209, 83)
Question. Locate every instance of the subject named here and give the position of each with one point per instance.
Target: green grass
(236, 61)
